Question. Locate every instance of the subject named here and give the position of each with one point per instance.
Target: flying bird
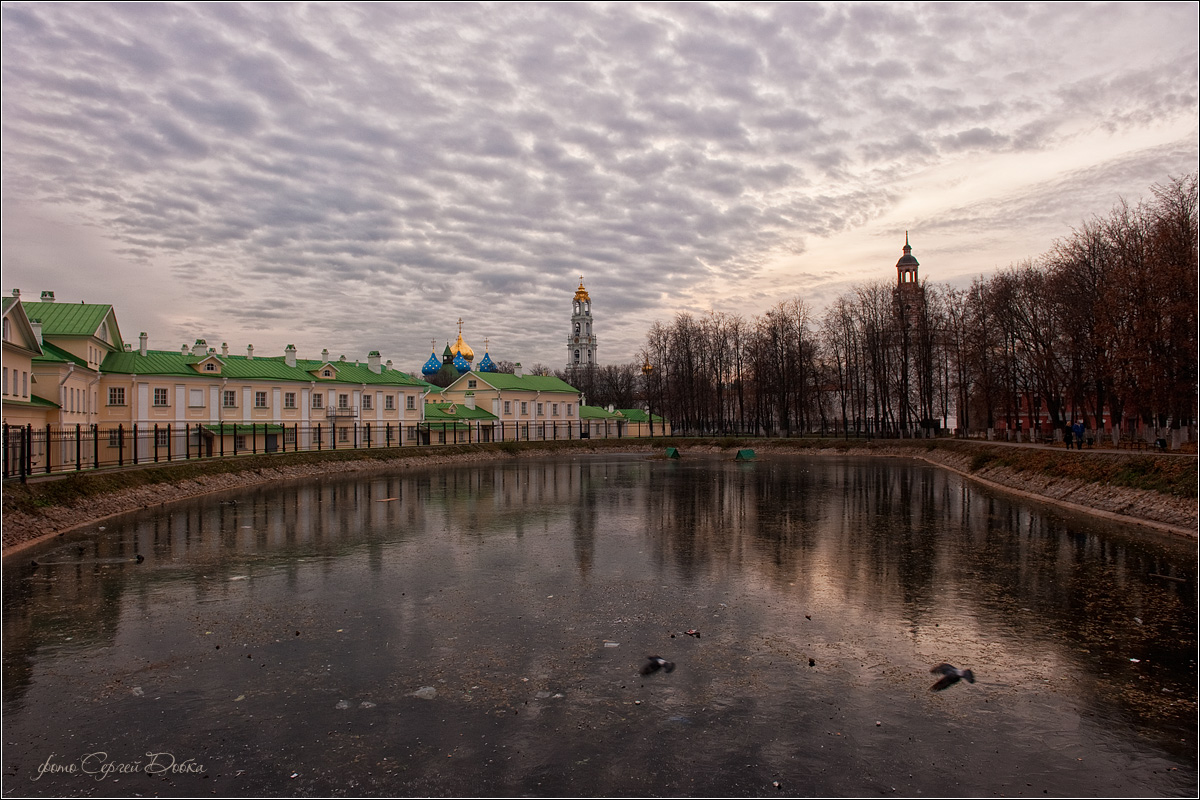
(950, 676)
(656, 663)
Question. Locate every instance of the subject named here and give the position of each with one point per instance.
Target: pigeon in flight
(656, 663)
(950, 676)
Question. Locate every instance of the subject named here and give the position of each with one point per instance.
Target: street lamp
(647, 370)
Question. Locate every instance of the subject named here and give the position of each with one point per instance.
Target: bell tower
(581, 341)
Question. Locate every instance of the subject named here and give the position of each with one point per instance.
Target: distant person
(1067, 435)
(1077, 428)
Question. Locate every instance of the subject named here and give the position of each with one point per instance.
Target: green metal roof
(637, 415)
(596, 412)
(534, 383)
(435, 412)
(56, 355)
(33, 400)
(181, 364)
(69, 319)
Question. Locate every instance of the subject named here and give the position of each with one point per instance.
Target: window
(507, 406)
(316, 401)
(289, 435)
(470, 384)
(343, 401)
(116, 395)
(389, 403)
(540, 412)
(162, 437)
(289, 400)
(239, 441)
(524, 409)
(230, 400)
(196, 398)
(260, 399)
(554, 409)
(6, 376)
(410, 402)
(366, 402)
(25, 384)
(210, 367)
(343, 434)
(114, 437)
(570, 412)
(160, 397)
(327, 374)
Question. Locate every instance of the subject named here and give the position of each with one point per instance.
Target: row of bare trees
(1101, 329)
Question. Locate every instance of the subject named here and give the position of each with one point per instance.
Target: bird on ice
(656, 663)
(950, 676)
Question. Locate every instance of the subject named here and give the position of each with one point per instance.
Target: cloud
(357, 176)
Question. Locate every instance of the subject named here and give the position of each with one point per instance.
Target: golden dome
(581, 293)
(461, 347)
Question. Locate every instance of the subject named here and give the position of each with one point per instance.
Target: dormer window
(327, 373)
(470, 384)
(210, 367)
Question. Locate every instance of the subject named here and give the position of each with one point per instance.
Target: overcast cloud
(358, 177)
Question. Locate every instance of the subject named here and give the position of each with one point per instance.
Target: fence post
(95, 445)
(155, 434)
(120, 445)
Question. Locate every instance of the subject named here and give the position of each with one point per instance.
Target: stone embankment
(44, 509)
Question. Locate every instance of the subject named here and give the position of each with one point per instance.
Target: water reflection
(483, 576)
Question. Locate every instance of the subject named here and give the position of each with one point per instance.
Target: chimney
(142, 341)
(518, 370)
(183, 349)
(289, 355)
(199, 348)
(128, 347)
(342, 360)
(224, 348)
(325, 354)
(47, 297)
(373, 361)
(17, 293)
(249, 352)
(469, 400)
(36, 324)
(611, 409)
(388, 365)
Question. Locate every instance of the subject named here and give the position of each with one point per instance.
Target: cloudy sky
(358, 177)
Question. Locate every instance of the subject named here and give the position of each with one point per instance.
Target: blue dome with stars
(461, 364)
(486, 364)
(431, 366)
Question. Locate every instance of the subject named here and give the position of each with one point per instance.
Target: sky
(359, 177)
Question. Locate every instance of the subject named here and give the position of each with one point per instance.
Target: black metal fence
(30, 450)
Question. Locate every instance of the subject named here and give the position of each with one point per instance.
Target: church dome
(461, 364)
(486, 364)
(907, 260)
(463, 349)
(581, 293)
(431, 366)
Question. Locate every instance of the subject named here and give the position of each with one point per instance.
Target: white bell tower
(581, 341)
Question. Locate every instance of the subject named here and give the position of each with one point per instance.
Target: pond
(481, 630)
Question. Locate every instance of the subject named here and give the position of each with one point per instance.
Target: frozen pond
(480, 630)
